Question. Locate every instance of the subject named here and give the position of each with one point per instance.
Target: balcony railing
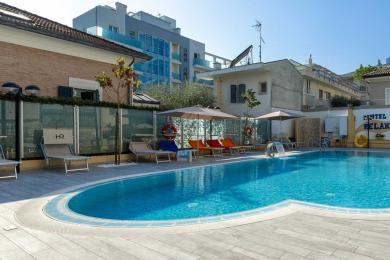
(113, 36)
(208, 82)
(202, 63)
(175, 75)
(176, 56)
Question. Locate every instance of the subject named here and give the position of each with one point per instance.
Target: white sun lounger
(4, 162)
(143, 149)
(63, 152)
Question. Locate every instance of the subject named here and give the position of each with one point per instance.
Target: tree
(251, 102)
(340, 101)
(187, 95)
(362, 70)
(125, 78)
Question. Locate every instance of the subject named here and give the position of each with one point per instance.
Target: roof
(382, 72)
(242, 68)
(17, 18)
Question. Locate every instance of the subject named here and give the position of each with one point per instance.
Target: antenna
(257, 26)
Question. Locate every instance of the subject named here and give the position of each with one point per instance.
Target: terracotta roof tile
(385, 71)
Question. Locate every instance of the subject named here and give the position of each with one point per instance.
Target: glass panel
(7, 120)
(37, 116)
(262, 132)
(97, 130)
(137, 125)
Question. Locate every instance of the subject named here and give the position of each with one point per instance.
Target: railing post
(120, 130)
(76, 129)
(154, 124)
(21, 133)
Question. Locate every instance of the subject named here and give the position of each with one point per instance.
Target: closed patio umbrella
(280, 116)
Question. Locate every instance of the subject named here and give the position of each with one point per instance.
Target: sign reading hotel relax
(57, 136)
(376, 125)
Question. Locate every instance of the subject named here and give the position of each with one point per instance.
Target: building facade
(278, 85)
(176, 59)
(320, 85)
(60, 60)
(379, 86)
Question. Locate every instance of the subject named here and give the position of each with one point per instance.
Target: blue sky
(340, 35)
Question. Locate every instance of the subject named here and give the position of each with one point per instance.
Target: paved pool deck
(296, 233)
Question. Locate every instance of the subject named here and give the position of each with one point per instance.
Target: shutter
(65, 91)
(241, 91)
(233, 94)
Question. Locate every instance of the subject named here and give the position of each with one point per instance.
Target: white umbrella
(279, 116)
(197, 112)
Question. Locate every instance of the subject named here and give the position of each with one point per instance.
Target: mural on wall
(375, 122)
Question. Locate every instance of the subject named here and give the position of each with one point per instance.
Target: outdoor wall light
(11, 87)
(32, 90)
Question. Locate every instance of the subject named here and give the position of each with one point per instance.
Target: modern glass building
(176, 58)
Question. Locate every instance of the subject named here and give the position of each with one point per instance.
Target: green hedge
(73, 102)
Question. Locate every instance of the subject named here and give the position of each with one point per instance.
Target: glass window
(38, 116)
(233, 93)
(263, 88)
(166, 49)
(97, 130)
(308, 87)
(112, 28)
(7, 126)
(321, 94)
(133, 35)
(155, 45)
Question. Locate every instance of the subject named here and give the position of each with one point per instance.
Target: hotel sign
(373, 123)
(57, 136)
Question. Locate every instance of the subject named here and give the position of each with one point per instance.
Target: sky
(339, 34)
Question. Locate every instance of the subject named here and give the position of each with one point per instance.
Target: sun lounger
(143, 149)
(170, 145)
(4, 162)
(201, 146)
(63, 152)
(232, 147)
(229, 142)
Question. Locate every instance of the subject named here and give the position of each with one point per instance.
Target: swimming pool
(343, 179)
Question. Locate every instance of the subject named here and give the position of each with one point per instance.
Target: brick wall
(48, 70)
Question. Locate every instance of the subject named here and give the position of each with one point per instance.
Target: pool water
(343, 179)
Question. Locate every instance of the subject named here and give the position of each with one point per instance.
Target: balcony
(208, 82)
(176, 76)
(176, 56)
(116, 37)
(201, 63)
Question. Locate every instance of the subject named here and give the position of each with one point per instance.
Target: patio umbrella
(279, 116)
(197, 112)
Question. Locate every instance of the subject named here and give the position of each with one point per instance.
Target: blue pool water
(344, 179)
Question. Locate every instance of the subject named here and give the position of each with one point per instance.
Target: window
(133, 35)
(321, 94)
(327, 95)
(387, 96)
(308, 87)
(236, 92)
(112, 28)
(263, 88)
